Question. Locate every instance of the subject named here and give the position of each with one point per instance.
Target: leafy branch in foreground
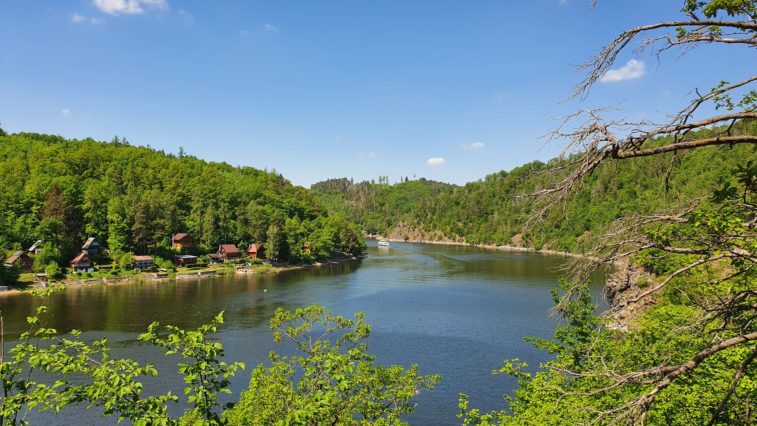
(337, 381)
(206, 375)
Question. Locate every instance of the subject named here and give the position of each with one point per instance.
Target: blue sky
(448, 90)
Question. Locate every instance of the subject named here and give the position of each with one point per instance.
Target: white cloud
(475, 146)
(632, 70)
(436, 161)
(270, 29)
(66, 112)
(131, 7)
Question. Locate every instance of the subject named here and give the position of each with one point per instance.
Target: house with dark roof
(182, 241)
(184, 259)
(82, 263)
(92, 247)
(21, 259)
(36, 247)
(229, 252)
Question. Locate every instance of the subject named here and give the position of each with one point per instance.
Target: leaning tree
(686, 286)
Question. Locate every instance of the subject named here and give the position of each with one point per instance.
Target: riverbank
(491, 247)
(180, 275)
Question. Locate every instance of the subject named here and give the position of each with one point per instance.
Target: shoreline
(198, 275)
(503, 247)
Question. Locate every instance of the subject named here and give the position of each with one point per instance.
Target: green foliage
(126, 261)
(134, 198)
(45, 257)
(334, 380)
(684, 353)
(53, 271)
(9, 275)
(494, 210)
(110, 383)
(205, 374)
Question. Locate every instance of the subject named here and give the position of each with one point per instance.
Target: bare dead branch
(607, 56)
(725, 140)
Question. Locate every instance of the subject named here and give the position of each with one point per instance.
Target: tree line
(498, 209)
(134, 198)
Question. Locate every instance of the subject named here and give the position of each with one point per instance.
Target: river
(455, 311)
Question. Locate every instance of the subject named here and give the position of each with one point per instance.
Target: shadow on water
(455, 311)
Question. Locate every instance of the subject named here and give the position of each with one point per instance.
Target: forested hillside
(134, 198)
(494, 210)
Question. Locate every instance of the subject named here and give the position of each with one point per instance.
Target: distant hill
(134, 198)
(495, 209)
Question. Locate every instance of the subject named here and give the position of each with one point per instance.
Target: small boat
(383, 243)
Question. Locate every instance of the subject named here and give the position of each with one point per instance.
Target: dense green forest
(134, 198)
(495, 209)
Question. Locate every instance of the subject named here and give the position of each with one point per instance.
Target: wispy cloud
(475, 146)
(265, 30)
(366, 155)
(79, 19)
(270, 29)
(186, 17)
(128, 7)
(632, 70)
(436, 161)
(66, 112)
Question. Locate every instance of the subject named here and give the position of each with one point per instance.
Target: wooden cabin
(255, 251)
(92, 247)
(22, 259)
(184, 260)
(82, 263)
(229, 252)
(143, 262)
(182, 241)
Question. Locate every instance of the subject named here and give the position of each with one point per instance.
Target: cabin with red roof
(82, 263)
(229, 252)
(182, 241)
(22, 259)
(255, 251)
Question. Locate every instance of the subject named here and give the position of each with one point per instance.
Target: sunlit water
(454, 311)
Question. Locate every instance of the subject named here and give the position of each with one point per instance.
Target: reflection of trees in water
(186, 303)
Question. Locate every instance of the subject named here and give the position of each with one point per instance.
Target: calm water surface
(455, 311)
